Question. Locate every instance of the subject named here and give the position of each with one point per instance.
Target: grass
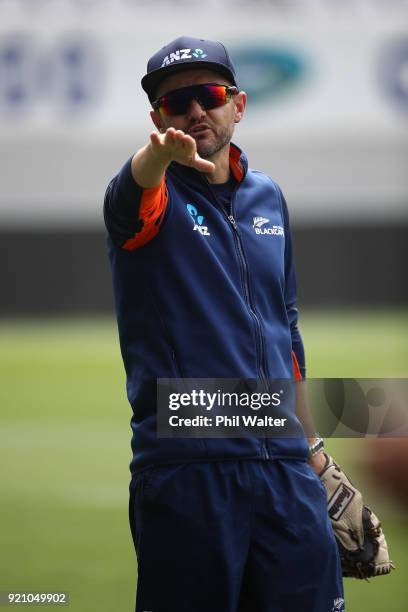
(65, 447)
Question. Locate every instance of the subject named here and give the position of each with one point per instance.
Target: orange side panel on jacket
(152, 207)
(296, 368)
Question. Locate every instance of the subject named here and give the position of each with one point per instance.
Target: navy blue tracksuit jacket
(202, 292)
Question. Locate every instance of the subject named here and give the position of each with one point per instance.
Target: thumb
(203, 165)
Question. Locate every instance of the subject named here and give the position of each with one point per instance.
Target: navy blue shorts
(234, 536)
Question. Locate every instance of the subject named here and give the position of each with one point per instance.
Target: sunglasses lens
(175, 103)
(212, 96)
(178, 102)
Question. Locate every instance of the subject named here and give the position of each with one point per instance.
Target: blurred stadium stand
(327, 118)
(47, 273)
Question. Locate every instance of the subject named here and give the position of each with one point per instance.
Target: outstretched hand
(175, 145)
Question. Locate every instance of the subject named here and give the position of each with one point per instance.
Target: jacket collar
(238, 163)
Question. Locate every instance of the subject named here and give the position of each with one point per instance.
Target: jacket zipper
(247, 295)
(260, 342)
(252, 312)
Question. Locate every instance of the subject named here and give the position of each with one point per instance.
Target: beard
(220, 137)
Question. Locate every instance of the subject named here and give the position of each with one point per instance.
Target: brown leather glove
(362, 546)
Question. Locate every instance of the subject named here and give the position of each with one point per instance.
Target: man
(219, 525)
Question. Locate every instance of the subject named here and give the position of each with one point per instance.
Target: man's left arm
(360, 538)
(317, 461)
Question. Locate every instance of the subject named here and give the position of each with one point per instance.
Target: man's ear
(155, 116)
(240, 101)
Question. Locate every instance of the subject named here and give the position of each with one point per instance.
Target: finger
(179, 135)
(189, 140)
(189, 146)
(168, 138)
(170, 133)
(155, 138)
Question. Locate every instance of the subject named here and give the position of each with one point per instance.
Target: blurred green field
(65, 449)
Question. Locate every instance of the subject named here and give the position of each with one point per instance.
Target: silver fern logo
(260, 221)
(338, 605)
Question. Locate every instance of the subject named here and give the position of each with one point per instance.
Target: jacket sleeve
(132, 214)
(298, 351)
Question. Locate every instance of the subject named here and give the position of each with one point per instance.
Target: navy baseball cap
(186, 53)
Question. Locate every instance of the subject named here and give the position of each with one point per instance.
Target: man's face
(211, 129)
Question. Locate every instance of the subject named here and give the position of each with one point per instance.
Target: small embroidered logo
(198, 220)
(259, 221)
(199, 54)
(338, 605)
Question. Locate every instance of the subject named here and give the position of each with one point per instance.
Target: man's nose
(195, 109)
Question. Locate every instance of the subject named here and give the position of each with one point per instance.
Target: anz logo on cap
(183, 54)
